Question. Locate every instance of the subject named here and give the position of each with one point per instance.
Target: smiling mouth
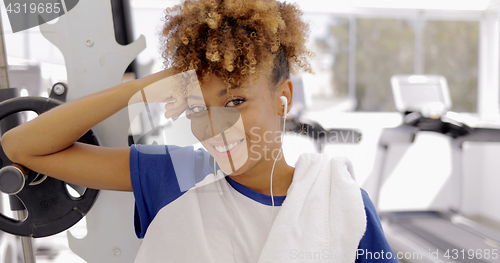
(225, 148)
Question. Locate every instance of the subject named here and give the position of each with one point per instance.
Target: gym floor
(55, 249)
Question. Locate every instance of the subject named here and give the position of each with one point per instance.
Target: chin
(239, 171)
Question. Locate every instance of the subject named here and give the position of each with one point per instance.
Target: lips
(227, 147)
(222, 152)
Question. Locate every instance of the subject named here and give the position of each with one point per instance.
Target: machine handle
(12, 179)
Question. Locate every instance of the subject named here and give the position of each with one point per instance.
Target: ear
(284, 89)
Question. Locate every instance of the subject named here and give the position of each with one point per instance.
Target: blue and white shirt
(181, 218)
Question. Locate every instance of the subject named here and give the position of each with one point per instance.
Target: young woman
(241, 52)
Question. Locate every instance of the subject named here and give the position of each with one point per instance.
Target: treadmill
(433, 236)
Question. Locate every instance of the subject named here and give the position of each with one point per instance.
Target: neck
(258, 177)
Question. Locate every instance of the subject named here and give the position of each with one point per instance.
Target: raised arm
(47, 144)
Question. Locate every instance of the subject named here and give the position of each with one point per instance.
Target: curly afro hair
(235, 39)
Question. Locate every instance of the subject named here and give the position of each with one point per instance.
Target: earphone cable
(234, 211)
(272, 171)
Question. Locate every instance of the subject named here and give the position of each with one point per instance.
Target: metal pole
(352, 60)
(419, 62)
(4, 76)
(26, 242)
(489, 65)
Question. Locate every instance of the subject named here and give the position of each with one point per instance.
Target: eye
(235, 102)
(198, 109)
(195, 110)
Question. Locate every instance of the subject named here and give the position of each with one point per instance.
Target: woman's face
(240, 130)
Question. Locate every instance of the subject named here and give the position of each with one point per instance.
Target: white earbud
(284, 102)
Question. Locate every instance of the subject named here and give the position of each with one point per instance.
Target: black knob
(11, 180)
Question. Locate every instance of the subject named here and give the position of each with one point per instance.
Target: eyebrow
(221, 93)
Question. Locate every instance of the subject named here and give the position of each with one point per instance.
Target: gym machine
(437, 236)
(320, 136)
(43, 204)
(90, 48)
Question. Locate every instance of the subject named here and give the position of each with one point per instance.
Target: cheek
(259, 131)
(259, 118)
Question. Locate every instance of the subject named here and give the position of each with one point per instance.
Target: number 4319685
(39, 8)
(471, 254)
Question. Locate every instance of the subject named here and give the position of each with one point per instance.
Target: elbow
(8, 147)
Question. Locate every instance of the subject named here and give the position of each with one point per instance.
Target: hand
(176, 108)
(163, 87)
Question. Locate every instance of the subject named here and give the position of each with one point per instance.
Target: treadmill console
(427, 94)
(425, 102)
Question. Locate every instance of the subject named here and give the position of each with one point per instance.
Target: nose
(201, 127)
(209, 129)
(223, 118)
(214, 122)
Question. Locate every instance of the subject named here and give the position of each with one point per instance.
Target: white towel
(322, 218)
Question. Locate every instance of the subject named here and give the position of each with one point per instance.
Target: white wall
(483, 179)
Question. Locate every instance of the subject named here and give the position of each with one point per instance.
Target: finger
(167, 100)
(176, 117)
(171, 106)
(175, 113)
(175, 104)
